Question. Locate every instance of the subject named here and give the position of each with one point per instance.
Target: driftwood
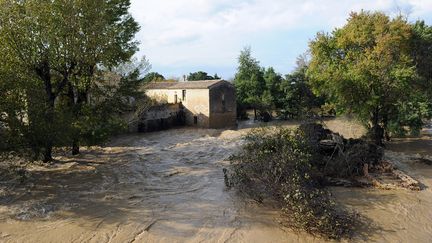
(354, 162)
(407, 181)
(404, 180)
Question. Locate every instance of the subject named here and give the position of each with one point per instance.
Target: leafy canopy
(200, 75)
(56, 51)
(366, 67)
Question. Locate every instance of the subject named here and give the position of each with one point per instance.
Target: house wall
(161, 95)
(210, 108)
(161, 117)
(223, 106)
(196, 103)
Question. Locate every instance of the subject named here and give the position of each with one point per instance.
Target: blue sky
(183, 36)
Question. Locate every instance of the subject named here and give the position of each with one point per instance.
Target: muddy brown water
(168, 187)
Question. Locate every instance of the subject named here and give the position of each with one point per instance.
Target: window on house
(175, 98)
(183, 95)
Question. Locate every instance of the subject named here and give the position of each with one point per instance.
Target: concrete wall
(223, 106)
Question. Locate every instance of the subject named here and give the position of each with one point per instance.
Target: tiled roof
(204, 84)
(159, 85)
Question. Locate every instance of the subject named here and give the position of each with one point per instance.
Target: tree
(366, 68)
(249, 81)
(297, 97)
(273, 92)
(154, 77)
(422, 54)
(60, 45)
(200, 75)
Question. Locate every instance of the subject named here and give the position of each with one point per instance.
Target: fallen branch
(405, 181)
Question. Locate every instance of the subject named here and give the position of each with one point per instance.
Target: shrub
(277, 164)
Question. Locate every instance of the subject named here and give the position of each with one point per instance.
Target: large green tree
(60, 45)
(249, 81)
(366, 67)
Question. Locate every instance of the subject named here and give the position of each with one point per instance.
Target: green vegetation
(154, 77)
(200, 75)
(421, 46)
(266, 91)
(378, 69)
(286, 166)
(249, 82)
(57, 71)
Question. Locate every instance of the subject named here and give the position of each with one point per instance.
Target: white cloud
(187, 33)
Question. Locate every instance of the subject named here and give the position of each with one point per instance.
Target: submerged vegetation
(278, 165)
(291, 167)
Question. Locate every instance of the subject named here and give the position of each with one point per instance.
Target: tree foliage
(277, 165)
(421, 51)
(200, 75)
(266, 90)
(249, 80)
(366, 68)
(297, 98)
(55, 52)
(154, 77)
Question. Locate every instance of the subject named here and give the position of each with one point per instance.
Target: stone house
(207, 104)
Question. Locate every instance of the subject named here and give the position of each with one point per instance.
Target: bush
(278, 165)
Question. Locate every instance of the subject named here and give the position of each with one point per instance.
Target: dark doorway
(183, 95)
(195, 120)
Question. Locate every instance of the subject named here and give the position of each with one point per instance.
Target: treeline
(266, 91)
(375, 67)
(195, 76)
(66, 72)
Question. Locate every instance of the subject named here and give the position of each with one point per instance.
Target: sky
(183, 36)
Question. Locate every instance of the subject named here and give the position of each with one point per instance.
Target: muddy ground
(168, 187)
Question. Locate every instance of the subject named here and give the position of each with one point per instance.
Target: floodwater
(168, 187)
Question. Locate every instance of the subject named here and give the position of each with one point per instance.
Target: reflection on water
(168, 187)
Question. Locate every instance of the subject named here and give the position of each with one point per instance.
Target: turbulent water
(168, 187)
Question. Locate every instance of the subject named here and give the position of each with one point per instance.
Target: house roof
(159, 85)
(203, 84)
